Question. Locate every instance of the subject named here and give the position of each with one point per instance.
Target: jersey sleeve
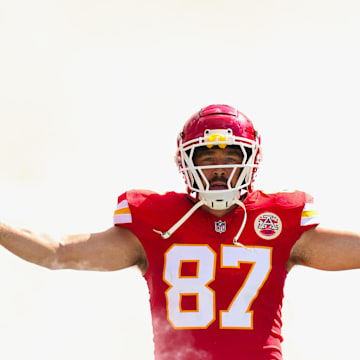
(309, 215)
(135, 209)
(143, 211)
(138, 211)
(122, 213)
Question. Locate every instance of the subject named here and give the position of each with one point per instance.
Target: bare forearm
(327, 250)
(341, 252)
(39, 249)
(113, 249)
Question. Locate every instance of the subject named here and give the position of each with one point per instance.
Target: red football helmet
(218, 125)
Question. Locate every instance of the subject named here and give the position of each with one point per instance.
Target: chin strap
(168, 233)
(236, 238)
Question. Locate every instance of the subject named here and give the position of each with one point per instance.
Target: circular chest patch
(268, 226)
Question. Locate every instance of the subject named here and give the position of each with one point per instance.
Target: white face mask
(238, 175)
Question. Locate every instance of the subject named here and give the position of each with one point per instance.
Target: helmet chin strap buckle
(218, 204)
(219, 200)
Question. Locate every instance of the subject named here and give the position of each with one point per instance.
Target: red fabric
(215, 341)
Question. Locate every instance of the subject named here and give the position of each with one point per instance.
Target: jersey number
(238, 314)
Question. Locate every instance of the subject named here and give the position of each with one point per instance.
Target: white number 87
(238, 314)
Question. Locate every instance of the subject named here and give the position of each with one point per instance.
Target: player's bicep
(326, 250)
(114, 249)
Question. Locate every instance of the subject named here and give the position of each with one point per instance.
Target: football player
(216, 257)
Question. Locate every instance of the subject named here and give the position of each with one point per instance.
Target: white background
(93, 94)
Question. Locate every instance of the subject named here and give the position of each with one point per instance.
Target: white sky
(92, 96)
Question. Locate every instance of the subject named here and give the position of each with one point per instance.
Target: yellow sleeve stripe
(122, 211)
(309, 213)
(122, 214)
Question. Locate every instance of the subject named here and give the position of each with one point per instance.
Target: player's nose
(219, 172)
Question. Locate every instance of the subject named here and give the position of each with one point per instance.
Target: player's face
(218, 177)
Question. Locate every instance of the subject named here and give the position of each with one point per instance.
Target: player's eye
(233, 160)
(207, 160)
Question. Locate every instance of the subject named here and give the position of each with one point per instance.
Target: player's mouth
(218, 185)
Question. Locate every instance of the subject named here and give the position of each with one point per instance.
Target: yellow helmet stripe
(216, 137)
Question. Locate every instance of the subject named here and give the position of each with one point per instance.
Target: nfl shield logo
(220, 226)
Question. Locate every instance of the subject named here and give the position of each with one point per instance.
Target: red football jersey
(211, 299)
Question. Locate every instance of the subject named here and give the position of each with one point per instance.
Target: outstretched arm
(113, 249)
(326, 250)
